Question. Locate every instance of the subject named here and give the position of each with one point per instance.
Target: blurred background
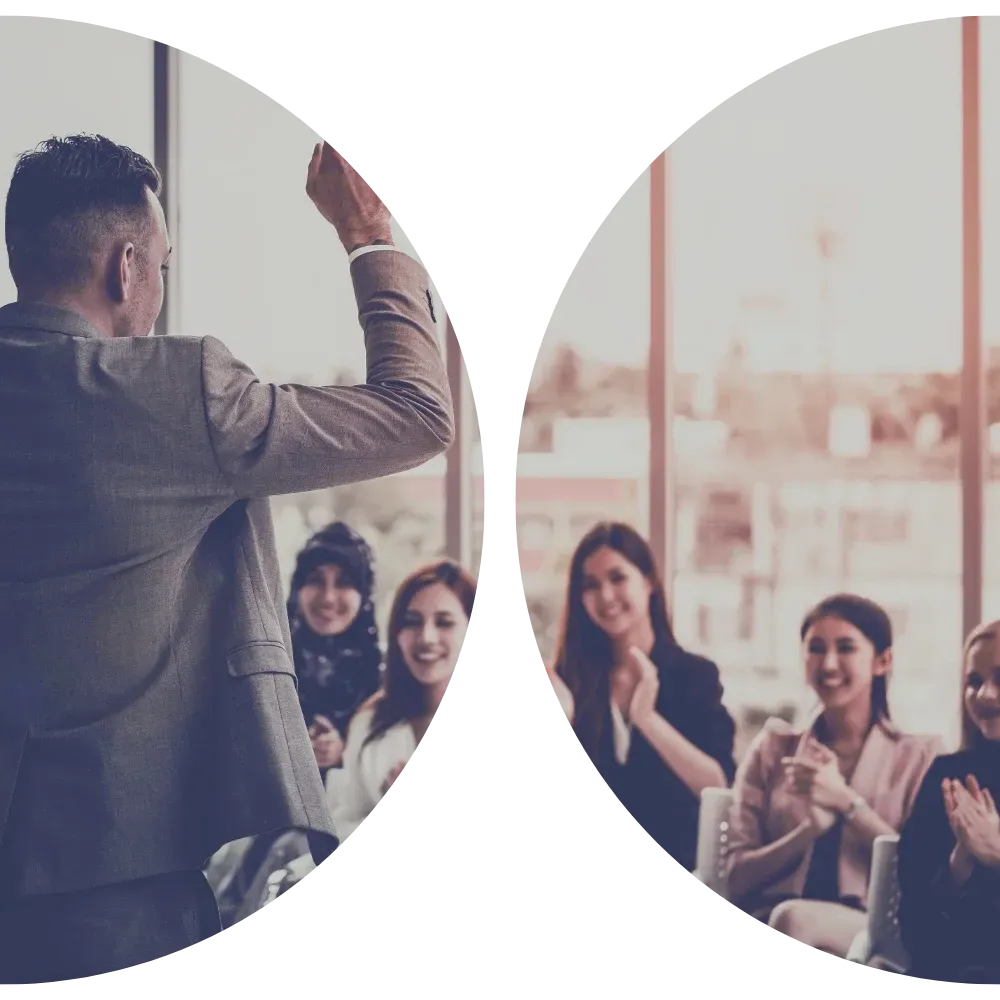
(254, 263)
(775, 309)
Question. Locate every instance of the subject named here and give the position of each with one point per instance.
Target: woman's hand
(327, 744)
(961, 862)
(817, 778)
(973, 818)
(643, 704)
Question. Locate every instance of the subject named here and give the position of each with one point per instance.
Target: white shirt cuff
(351, 257)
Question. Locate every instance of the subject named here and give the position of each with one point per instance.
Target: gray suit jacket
(148, 711)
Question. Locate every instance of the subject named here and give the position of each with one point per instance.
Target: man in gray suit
(148, 711)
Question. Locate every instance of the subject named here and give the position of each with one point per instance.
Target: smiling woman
(809, 802)
(648, 713)
(949, 851)
(334, 636)
(427, 625)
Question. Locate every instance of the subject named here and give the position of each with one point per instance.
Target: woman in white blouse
(648, 712)
(427, 625)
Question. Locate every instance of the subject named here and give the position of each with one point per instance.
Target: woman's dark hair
(972, 738)
(64, 198)
(873, 623)
(403, 697)
(583, 653)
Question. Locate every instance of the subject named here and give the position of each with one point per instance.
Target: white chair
(713, 839)
(880, 944)
(283, 879)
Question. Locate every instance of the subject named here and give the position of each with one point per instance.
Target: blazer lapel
(855, 850)
(877, 749)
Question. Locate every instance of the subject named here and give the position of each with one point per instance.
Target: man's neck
(77, 303)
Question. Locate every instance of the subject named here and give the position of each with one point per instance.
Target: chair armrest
(860, 949)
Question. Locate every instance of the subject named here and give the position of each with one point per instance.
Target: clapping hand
(327, 744)
(643, 703)
(816, 777)
(973, 818)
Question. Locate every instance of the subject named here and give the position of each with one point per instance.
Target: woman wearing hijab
(334, 636)
(337, 661)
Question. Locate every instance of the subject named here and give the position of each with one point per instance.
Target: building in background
(779, 502)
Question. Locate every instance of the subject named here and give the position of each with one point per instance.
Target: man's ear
(122, 273)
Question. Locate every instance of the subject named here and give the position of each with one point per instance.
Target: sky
(863, 139)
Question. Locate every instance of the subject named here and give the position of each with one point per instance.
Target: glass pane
(818, 311)
(284, 302)
(989, 40)
(37, 58)
(478, 500)
(584, 447)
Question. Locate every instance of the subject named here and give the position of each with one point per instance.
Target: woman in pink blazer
(808, 803)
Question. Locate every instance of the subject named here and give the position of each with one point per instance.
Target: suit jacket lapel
(875, 752)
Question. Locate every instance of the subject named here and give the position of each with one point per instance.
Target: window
(290, 315)
(584, 447)
(877, 527)
(535, 532)
(96, 60)
(817, 288)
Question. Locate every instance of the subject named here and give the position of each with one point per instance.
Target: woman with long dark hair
(335, 646)
(809, 803)
(949, 851)
(648, 713)
(427, 625)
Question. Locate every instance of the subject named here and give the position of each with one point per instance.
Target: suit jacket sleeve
(274, 439)
(746, 820)
(705, 720)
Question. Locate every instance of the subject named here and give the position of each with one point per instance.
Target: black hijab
(336, 673)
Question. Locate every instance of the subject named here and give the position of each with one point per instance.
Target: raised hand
(643, 703)
(327, 743)
(344, 199)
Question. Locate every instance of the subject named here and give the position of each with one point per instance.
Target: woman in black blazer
(949, 850)
(648, 713)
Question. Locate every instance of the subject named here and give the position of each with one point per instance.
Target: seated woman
(427, 625)
(648, 713)
(808, 803)
(337, 660)
(949, 851)
(334, 637)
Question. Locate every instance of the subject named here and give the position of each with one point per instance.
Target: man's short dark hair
(66, 197)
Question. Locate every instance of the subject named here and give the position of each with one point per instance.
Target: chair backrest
(883, 903)
(713, 838)
(281, 881)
